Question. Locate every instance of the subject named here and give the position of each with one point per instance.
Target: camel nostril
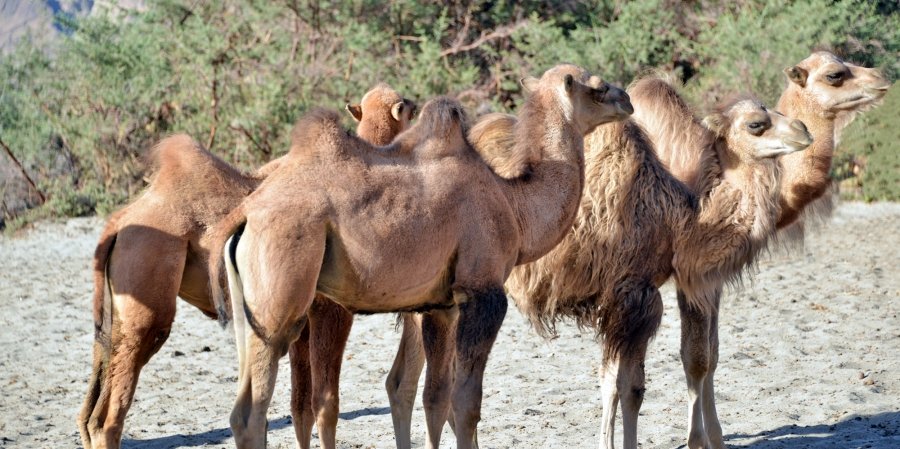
(799, 126)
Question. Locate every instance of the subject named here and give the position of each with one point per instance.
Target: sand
(810, 358)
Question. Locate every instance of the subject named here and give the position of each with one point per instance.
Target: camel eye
(756, 128)
(834, 77)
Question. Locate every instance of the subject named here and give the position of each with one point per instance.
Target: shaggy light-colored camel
(358, 231)
(134, 303)
(637, 227)
(681, 141)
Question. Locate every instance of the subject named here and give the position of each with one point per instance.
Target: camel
(359, 241)
(635, 211)
(680, 141)
(823, 91)
(134, 307)
(638, 227)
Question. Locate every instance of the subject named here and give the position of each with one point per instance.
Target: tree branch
(22, 170)
(499, 33)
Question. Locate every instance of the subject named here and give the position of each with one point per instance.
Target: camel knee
(696, 361)
(326, 405)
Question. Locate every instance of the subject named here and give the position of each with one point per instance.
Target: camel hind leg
(274, 315)
(142, 309)
(301, 389)
(330, 326)
(403, 380)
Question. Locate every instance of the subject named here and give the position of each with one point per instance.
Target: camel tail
(102, 288)
(226, 236)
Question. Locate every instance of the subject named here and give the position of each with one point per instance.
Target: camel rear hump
(318, 132)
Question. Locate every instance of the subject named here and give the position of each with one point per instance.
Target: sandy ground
(810, 358)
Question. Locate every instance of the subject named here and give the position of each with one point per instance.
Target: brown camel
(134, 306)
(635, 212)
(360, 240)
(680, 140)
(639, 226)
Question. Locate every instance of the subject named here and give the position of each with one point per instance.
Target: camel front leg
(330, 326)
(301, 390)
(403, 380)
(695, 358)
(610, 394)
(710, 415)
(438, 337)
(478, 325)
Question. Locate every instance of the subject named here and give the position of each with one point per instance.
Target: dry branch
(22, 170)
(498, 33)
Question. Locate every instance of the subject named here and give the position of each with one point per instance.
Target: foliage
(236, 74)
(868, 163)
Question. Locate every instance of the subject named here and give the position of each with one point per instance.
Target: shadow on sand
(879, 431)
(221, 436)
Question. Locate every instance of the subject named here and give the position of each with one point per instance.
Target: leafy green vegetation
(868, 161)
(236, 74)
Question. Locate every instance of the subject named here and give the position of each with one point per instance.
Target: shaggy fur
(365, 214)
(638, 226)
(134, 304)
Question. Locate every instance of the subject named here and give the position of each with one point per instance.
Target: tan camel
(823, 91)
(359, 240)
(134, 306)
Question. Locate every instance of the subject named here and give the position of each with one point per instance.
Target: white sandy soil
(810, 358)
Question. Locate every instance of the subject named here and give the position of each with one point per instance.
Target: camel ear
(797, 75)
(570, 81)
(716, 123)
(355, 110)
(397, 111)
(529, 83)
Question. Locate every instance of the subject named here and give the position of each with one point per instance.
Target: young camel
(680, 141)
(635, 212)
(823, 91)
(478, 226)
(134, 306)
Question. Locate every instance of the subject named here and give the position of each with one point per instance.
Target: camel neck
(805, 174)
(546, 201)
(377, 132)
(754, 188)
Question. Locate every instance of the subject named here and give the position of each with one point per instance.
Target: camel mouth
(858, 100)
(624, 109)
(798, 145)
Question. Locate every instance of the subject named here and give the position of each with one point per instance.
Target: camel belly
(374, 281)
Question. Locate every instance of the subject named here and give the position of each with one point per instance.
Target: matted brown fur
(190, 189)
(638, 226)
(477, 225)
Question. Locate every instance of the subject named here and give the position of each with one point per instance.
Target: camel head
(751, 132)
(445, 120)
(382, 111)
(834, 84)
(586, 101)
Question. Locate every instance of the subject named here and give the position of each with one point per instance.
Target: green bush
(236, 74)
(868, 161)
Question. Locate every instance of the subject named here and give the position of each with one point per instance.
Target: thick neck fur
(547, 200)
(735, 223)
(805, 173)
